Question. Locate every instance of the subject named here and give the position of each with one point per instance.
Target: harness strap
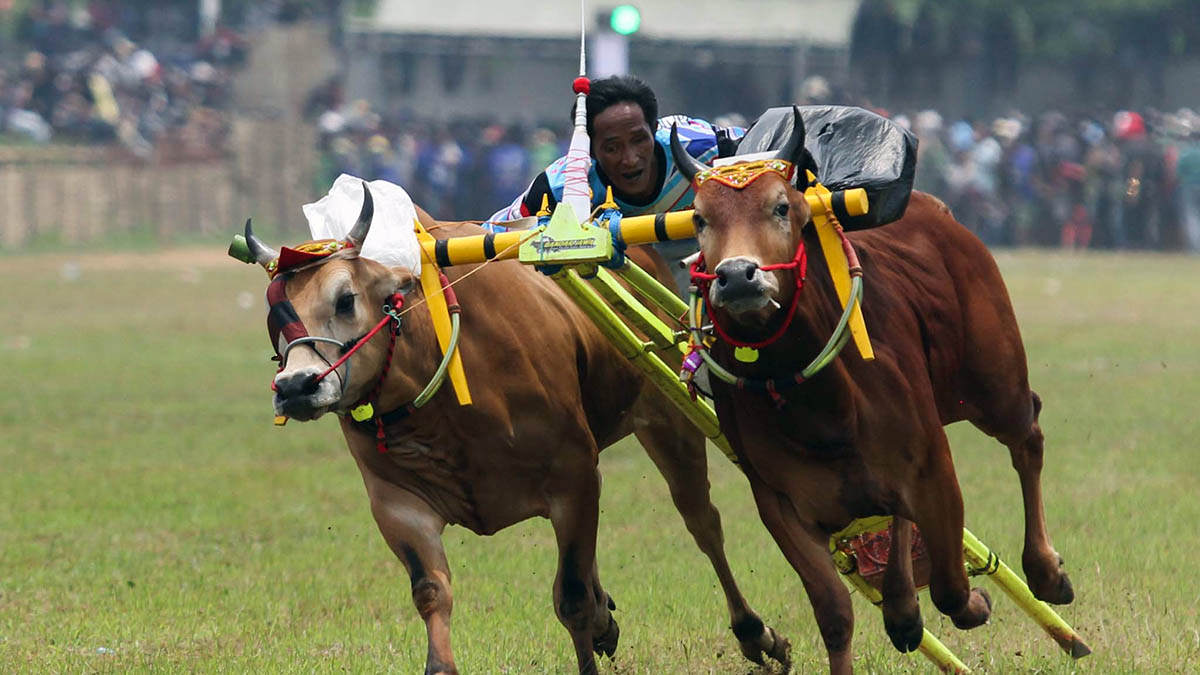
(382, 421)
(698, 341)
(380, 433)
(281, 315)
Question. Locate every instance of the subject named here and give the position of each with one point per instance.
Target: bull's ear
(394, 280)
(405, 281)
(798, 209)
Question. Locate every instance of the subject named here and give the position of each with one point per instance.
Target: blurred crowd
(1121, 180)
(1125, 179)
(80, 78)
(464, 169)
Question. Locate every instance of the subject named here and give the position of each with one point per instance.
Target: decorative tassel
(776, 398)
(691, 363)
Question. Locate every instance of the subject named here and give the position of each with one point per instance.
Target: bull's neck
(414, 360)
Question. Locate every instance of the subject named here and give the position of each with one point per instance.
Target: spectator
(1142, 176)
(1187, 172)
(508, 167)
(85, 81)
(1059, 181)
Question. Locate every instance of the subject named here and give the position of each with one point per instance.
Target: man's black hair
(610, 91)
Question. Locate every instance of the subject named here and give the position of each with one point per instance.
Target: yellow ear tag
(363, 412)
(745, 354)
(280, 420)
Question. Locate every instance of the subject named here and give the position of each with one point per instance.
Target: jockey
(631, 152)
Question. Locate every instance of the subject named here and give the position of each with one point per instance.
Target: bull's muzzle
(741, 286)
(300, 395)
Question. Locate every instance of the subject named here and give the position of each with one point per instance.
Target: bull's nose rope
(771, 385)
(392, 313)
(389, 315)
(364, 411)
(704, 279)
(368, 403)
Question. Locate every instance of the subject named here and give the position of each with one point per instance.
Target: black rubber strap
(839, 206)
(660, 227)
(441, 251)
(489, 246)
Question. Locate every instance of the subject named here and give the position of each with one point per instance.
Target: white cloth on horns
(391, 240)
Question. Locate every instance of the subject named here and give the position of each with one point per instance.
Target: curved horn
(793, 149)
(689, 166)
(262, 253)
(358, 234)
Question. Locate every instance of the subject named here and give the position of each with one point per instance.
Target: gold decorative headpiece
(738, 176)
(305, 254)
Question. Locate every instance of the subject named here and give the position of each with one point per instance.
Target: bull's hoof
(772, 645)
(1052, 586)
(606, 644)
(977, 611)
(440, 669)
(906, 634)
(1064, 593)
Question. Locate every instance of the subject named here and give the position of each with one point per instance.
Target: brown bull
(865, 438)
(549, 393)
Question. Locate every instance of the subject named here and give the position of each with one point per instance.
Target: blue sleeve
(548, 183)
(700, 136)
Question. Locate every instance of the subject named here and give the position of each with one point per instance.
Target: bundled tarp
(850, 147)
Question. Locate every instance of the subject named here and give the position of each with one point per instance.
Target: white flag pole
(576, 190)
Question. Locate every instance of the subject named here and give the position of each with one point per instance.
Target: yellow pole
(637, 230)
(473, 249)
(930, 646)
(983, 560)
(638, 352)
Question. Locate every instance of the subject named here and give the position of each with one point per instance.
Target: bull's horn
(793, 149)
(689, 166)
(358, 234)
(262, 253)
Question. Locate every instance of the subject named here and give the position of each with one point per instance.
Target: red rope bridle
(703, 281)
(394, 303)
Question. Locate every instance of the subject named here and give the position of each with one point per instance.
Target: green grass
(152, 519)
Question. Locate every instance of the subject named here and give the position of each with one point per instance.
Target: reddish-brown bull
(549, 393)
(865, 438)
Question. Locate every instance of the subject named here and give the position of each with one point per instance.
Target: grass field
(152, 519)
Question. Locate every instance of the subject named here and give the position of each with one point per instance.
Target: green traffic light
(625, 19)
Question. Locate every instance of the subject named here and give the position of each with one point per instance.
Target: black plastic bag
(850, 147)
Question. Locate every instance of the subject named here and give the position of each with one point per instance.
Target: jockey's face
(624, 147)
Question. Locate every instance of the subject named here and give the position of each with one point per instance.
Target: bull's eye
(781, 210)
(345, 304)
(698, 221)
